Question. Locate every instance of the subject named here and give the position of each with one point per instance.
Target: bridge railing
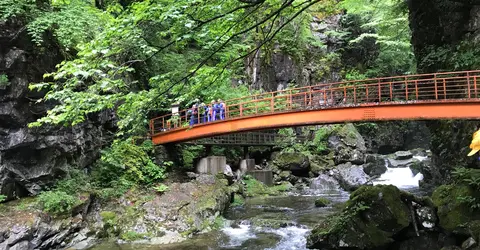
(437, 87)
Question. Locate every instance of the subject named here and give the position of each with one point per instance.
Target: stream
(276, 223)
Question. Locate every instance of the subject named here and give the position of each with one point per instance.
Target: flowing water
(277, 223)
(262, 223)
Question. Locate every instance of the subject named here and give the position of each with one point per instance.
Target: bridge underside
(366, 113)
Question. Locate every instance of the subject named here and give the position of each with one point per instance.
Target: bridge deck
(451, 95)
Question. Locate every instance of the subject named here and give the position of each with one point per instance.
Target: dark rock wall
(33, 158)
(440, 25)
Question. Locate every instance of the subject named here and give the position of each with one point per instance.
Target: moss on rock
(373, 215)
(453, 213)
(322, 202)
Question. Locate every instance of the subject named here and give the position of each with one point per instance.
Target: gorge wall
(444, 32)
(31, 158)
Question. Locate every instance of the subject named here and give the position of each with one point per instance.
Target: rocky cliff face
(441, 24)
(438, 27)
(33, 158)
(310, 64)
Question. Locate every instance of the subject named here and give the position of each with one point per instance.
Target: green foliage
(385, 22)
(320, 141)
(471, 178)
(16, 8)
(158, 52)
(162, 188)
(125, 164)
(132, 236)
(190, 153)
(4, 80)
(451, 57)
(57, 202)
(2, 198)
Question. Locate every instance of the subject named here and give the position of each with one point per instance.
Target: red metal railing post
(163, 122)
(290, 100)
(331, 97)
(406, 90)
(366, 92)
(416, 90)
(468, 85)
(354, 94)
(241, 109)
(310, 96)
(475, 85)
(444, 90)
(272, 105)
(344, 94)
(304, 99)
(379, 91)
(436, 90)
(391, 92)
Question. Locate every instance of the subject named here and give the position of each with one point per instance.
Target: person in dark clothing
(194, 115)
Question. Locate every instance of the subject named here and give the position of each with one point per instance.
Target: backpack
(217, 107)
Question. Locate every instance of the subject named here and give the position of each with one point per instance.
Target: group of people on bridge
(201, 113)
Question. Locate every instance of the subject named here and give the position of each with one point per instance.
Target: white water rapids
(402, 178)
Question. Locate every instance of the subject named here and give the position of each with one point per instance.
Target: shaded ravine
(276, 222)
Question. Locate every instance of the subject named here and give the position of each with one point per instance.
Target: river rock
(373, 216)
(424, 241)
(298, 163)
(470, 243)
(427, 217)
(374, 165)
(403, 155)
(325, 182)
(350, 176)
(454, 214)
(348, 145)
(392, 163)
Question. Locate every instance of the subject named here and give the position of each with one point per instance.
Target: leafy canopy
(156, 52)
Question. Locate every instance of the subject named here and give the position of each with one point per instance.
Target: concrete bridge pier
(211, 165)
(265, 176)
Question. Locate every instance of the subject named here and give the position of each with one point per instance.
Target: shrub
(127, 163)
(162, 188)
(57, 202)
(2, 198)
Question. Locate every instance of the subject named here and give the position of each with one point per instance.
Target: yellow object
(475, 145)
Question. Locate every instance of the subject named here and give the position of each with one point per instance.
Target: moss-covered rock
(372, 217)
(322, 163)
(374, 166)
(452, 210)
(347, 144)
(256, 188)
(322, 202)
(298, 163)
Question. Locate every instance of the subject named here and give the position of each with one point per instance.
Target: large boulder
(373, 216)
(325, 182)
(348, 145)
(350, 176)
(453, 209)
(298, 163)
(374, 165)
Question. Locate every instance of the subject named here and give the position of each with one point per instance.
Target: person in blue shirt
(193, 115)
(222, 109)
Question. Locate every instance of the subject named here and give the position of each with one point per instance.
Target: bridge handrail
(420, 87)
